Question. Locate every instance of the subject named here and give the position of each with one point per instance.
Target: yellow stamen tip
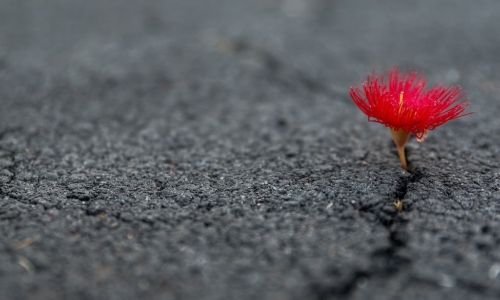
(400, 102)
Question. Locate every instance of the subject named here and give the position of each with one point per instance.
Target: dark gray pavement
(210, 150)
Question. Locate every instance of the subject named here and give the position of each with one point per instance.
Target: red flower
(400, 101)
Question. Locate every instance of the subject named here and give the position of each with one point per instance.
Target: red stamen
(400, 101)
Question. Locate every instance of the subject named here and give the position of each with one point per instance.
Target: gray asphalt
(210, 150)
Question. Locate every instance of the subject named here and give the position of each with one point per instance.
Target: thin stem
(402, 157)
(400, 139)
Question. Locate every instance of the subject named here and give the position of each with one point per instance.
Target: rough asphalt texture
(210, 150)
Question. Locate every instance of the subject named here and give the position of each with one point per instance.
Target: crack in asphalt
(386, 261)
(402, 185)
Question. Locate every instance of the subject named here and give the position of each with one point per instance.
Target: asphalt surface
(210, 150)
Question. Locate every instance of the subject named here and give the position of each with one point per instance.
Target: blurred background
(318, 46)
(217, 137)
(332, 41)
(321, 44)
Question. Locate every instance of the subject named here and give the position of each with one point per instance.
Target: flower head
(400, 101)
